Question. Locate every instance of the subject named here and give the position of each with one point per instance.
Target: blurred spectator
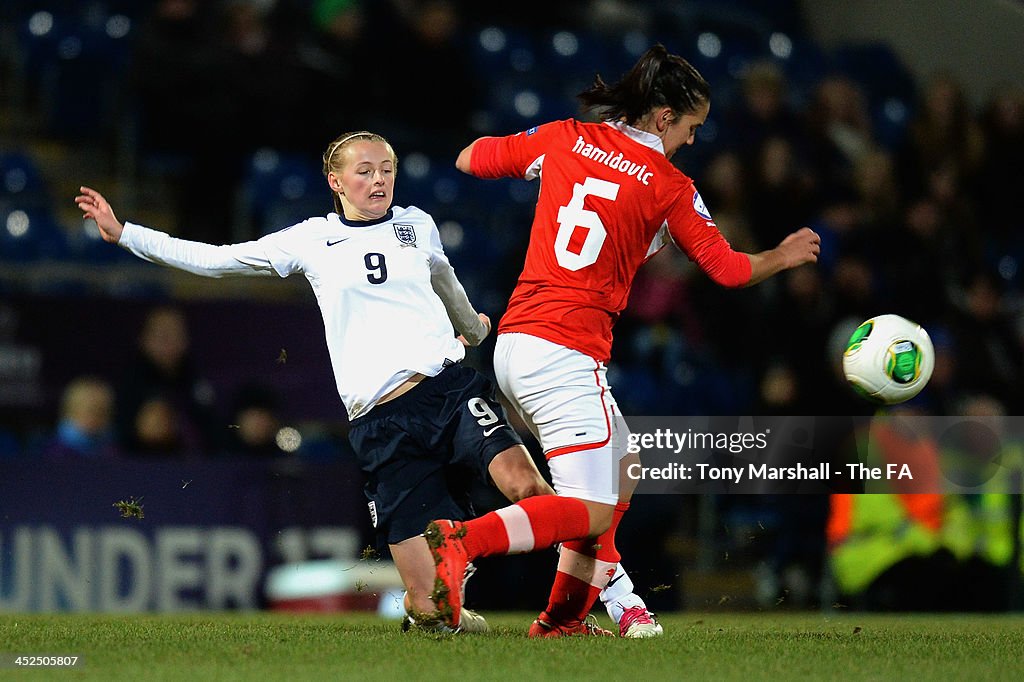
(983, 455)
(189, 118)
(886, 548)
(1000, 200)
(943, 133)
(839, 133)
(791, 380)
(780, 192)
(763, 112)
(945, 185)
(255, 423)
(343, 20)
(874, 179)
(164, 368)
(159, 431)
(921, 262)
(263, 77)
(438, 92)
(855, 287)
(85, 430)
(210, 79)
(724, 189)
(330, 56)
(991, 357)
(174, 56)
(779, 390)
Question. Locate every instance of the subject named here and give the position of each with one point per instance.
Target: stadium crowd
(916, 192)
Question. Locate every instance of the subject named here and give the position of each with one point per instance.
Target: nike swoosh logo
(330, 243)
(614, 580)
(492, 430)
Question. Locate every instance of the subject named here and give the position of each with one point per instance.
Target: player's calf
(450, 559)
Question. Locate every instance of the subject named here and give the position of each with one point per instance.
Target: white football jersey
(375, 283)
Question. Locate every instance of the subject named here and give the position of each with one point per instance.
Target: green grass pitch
(266, 646)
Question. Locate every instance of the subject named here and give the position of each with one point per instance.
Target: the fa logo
(406, 234)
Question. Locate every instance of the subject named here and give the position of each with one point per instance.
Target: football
(888, 359)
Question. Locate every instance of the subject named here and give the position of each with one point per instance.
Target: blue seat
(85, 245)
(75, 68)
(805, 67)
(413, 183)
(30, 234)
(21, 182)
(279, 190)
(496, 51)
(434, 185)
(570, 59)
(518, 103)
(877, 68)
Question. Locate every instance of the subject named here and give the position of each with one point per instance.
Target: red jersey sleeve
(516, 155)
(694, 231)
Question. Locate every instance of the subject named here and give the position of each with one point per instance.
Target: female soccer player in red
(610, 199)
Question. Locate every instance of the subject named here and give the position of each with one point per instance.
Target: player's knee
(530, 488)
(517, 476)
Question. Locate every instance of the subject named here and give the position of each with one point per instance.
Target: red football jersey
(609, 199)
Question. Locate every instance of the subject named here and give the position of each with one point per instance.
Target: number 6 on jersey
(571, 254)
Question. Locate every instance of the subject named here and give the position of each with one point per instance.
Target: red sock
(584, 568)
(526, 526)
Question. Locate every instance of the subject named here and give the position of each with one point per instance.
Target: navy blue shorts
(420, 451)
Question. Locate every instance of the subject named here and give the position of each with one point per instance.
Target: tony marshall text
(765, 472)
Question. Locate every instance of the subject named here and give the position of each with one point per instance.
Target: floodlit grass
(777, 646)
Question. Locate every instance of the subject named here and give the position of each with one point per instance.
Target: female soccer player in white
(389, 298)
(609, 199)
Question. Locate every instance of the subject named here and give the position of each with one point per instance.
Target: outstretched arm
(248, 258)
(474, 326)
(800, 247)
(463, 162)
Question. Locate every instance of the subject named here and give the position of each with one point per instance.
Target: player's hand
(94, 206)
(802, 246)
(487, 330)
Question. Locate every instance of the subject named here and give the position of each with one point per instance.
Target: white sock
(618, 595)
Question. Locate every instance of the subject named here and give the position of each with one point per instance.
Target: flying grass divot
(130, 509)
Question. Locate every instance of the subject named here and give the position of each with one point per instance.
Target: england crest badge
(406, 234)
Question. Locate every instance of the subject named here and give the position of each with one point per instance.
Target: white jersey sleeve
(246, 258)
(451, 292)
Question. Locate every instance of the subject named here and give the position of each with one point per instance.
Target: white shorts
(564, 398)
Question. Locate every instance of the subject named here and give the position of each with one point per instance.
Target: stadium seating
(21, 182)
(30, 234)
(279, 190)
(495, 50)
(74, 66)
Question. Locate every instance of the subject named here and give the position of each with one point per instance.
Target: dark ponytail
(658, 79)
